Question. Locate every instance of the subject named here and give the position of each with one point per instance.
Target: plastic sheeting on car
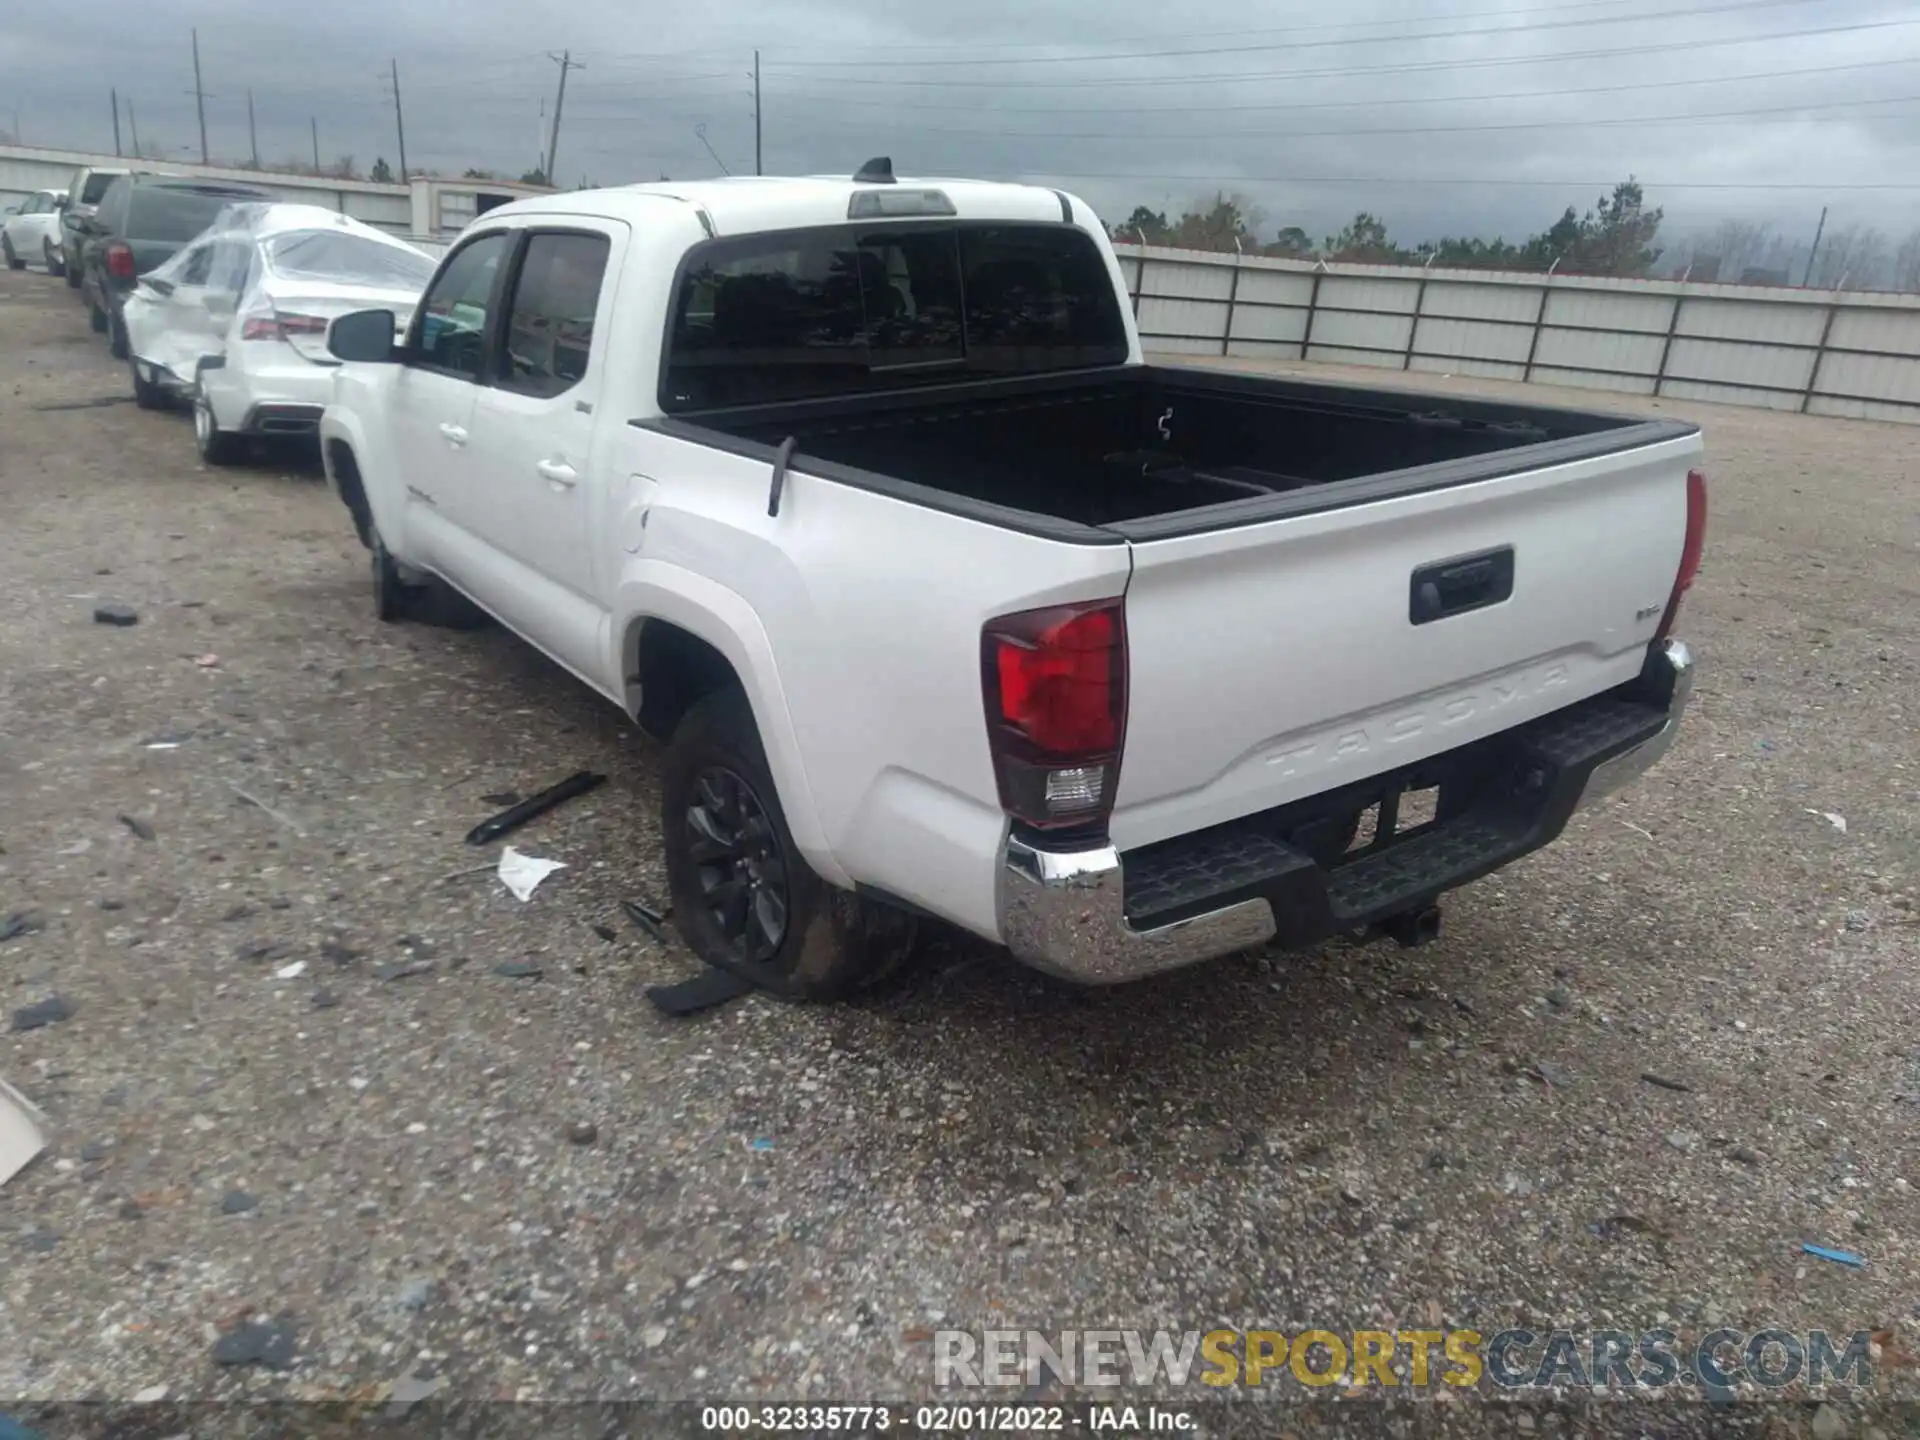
(190, 309)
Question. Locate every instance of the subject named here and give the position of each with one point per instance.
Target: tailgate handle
(1453, 587)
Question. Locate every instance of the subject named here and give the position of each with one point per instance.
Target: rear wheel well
(346, 474)
(676, 670)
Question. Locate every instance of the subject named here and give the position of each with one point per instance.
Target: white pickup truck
(860, 496)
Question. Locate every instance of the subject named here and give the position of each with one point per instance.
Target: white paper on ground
(523, 873)
(20, 1135)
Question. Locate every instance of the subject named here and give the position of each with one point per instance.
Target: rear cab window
(852, 308)
(93, 187)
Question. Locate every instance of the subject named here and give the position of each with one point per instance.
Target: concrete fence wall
(1819, 352)
(425, 210)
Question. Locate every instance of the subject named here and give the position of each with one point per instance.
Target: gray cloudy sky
(1455, 114)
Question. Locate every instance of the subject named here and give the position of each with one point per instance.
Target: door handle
(456, 434)
(558, 474)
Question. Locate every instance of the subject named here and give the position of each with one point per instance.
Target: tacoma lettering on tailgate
(1404, 725)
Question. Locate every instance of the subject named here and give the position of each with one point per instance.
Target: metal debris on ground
(1839, 822)
(266, 809)
(519, 814)
(522, 874)
(1664, 1083)
(138, 826)
(21, 1135)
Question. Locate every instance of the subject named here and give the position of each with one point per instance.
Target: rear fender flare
(653, 590)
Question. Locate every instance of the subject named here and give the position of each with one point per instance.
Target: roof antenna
(878, 171)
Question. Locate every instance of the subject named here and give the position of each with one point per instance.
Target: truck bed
(1151, 450)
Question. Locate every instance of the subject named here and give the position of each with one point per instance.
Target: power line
(1475, 63)
(647, 55)
(1741, 5)
(1372, 101)
(1502, 181)
(1783, 114)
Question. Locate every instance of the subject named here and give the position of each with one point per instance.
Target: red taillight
(120, 260)
(276, 326)
(1690, 550)
(1056, 692)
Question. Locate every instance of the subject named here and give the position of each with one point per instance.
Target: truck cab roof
(745, 204)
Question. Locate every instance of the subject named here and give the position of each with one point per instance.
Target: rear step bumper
(1100, 917)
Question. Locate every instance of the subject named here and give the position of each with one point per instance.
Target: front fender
(655, 590)
(359, 491)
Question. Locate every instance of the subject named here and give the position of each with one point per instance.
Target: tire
(117, 338)
(56, 262)
(742, 894)
(393, 599)
(14, 262)
(97, 318)
(72, 272)
(146, 394)
(216, 446)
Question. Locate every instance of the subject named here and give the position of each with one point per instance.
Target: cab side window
(550, 322)
(197, 266)
(452, 327)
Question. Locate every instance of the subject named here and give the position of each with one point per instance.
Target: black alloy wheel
(739, 865)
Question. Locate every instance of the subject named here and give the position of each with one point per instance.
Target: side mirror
(365, 335)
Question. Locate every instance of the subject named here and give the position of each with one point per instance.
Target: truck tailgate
(1279, 659)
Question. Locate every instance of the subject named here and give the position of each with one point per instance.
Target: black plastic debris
(38, 1017)
(515, 816)
(270, 1346)
(647, 918)
(138, 826)
(703, 992)
(21, 922)
(121, 615)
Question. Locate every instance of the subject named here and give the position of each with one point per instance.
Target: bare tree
(1738, 244)
(1851, 258)
(1906, 263)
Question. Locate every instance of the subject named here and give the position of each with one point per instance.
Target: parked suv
(84, 189)
(141, 221)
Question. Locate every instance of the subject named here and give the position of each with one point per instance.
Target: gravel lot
(780, 1202)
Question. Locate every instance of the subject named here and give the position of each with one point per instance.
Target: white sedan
(237, 321)
(32, 232)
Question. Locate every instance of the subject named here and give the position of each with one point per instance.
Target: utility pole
(253, 139)
(314, 121)
(200, 98)
(566, 62)
(133, 123)
(116, 121)
(400, 120)
(1814, 254)
(756, 113)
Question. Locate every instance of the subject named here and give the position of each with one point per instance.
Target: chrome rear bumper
(1065, 911)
